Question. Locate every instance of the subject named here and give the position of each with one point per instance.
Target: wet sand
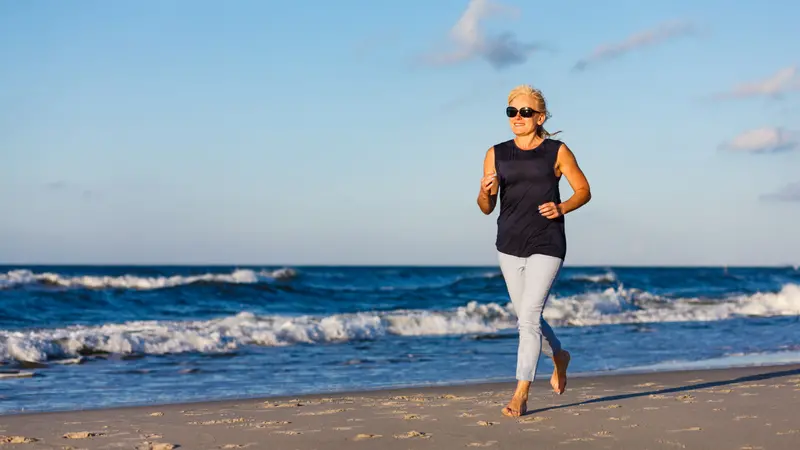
(742, 408)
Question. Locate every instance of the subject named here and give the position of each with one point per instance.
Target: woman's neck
(529, 141)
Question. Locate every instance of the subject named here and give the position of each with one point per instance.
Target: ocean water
(88, 337)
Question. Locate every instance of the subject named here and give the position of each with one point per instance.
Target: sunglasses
(524, 112)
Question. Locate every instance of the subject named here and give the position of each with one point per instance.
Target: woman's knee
(530, 326)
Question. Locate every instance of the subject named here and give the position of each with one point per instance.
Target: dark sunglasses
(524, 112)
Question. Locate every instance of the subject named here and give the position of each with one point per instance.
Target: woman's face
(522, 116)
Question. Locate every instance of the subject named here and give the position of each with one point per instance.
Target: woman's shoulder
(503, 148)
(554, 143)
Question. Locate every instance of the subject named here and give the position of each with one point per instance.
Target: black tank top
(526, 180)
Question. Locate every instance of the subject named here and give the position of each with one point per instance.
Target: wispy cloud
(774, 87)
(788, 193)
(471, 42)
(764, 140)
(647, 38)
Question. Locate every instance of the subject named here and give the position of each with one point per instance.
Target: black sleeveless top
(526, 180)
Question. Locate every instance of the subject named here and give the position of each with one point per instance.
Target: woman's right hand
(488, 183)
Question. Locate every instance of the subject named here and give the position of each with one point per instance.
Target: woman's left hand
(550, 210)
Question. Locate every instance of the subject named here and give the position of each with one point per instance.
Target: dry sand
(744, 408)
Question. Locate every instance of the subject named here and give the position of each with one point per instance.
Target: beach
(732, 408)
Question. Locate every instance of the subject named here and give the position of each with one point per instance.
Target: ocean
(77, 337)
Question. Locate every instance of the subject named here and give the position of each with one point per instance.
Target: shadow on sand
(690, 387)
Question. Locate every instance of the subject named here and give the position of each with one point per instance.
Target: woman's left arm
(568, 166)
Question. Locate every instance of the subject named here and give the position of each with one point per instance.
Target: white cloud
(636, 41)
(775, 86)
(764, 140)
(471, 42)
(788, 193)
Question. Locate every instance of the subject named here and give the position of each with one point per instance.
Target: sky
(353, 132)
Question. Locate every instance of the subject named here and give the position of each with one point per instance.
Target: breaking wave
(227, 334)
(24, 277)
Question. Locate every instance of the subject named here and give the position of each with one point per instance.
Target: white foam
(733, 360)
(608, 277)
(19, 277)
(612, 306)
(620, 305)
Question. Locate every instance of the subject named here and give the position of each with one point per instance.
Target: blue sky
(353, 132)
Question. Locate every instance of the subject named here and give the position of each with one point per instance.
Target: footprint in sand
(610, 407)
(82, 435)
(648, 384)
(156, 446)
(269, 405)
(745, 417)
(481, 444)
(686, 398)
(17, 440)
(269, 423)
(468, 414)
(533, 419)
(578, 439)
(686, 429)
(221, 421)
(363, 436)
(391, 404)
(412, 434)
(603, 434)
(485, 423)
(156, 414)
(784, 433)
(323, 413)
(670, 443)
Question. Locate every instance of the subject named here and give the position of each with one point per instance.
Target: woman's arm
(487, 197)
(568, 166)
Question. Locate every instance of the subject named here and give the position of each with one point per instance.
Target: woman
(531, 242)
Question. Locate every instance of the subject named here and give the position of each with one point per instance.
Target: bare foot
(559, 379)
(516, 407)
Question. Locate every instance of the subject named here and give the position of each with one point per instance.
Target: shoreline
(740, 407)
(540, 378)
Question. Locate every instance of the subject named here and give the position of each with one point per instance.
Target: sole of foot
(559, 379)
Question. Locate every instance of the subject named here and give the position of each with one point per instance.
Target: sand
(742, 408)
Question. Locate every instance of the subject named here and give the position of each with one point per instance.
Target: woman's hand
(550, 210)
(488, 183)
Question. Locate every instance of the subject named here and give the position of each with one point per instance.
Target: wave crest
(612, 306)
(22, 277)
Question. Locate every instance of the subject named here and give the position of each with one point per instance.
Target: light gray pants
(529, 281)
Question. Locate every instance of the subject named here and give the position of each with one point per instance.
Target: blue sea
(76, 337)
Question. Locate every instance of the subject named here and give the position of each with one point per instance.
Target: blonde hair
(540, 104)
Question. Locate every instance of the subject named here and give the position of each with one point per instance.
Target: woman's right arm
(487, 197)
